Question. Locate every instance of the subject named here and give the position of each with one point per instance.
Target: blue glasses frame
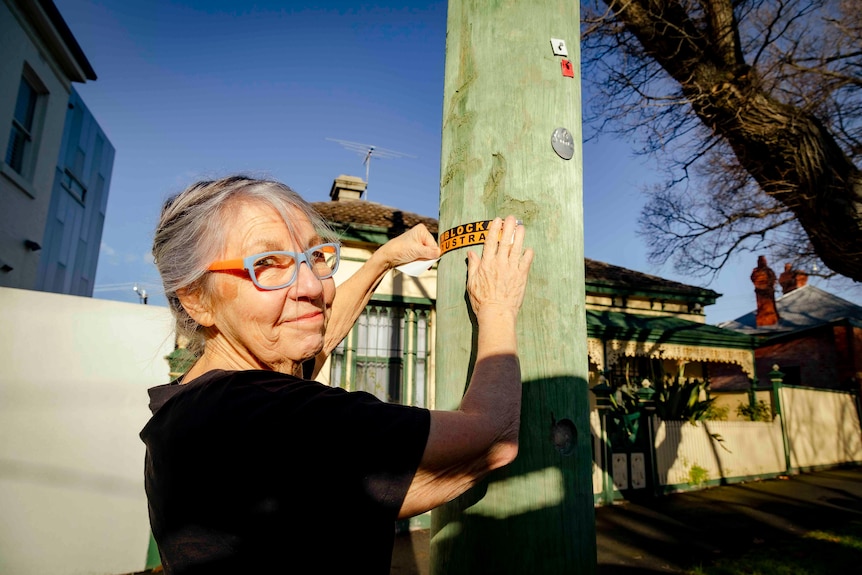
(247, 264)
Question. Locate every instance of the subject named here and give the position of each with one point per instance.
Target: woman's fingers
(417, 243)
(499, 276)
(492, 238)
(505, 237)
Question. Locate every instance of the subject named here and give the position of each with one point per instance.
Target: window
(632, 371)
(22, 135)
(71, 184)
(386, 354)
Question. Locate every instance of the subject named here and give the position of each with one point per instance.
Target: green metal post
(408, 357)
(511, 145)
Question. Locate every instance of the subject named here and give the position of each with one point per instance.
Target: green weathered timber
(504, 96)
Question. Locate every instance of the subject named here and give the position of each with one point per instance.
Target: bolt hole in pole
(564, 435)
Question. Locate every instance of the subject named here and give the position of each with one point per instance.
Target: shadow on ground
(677, 532)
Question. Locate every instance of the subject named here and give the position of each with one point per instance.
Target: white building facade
(40, 61)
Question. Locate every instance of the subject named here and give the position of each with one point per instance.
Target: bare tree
(754, 107)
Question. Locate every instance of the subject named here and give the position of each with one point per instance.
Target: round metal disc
(563, 144)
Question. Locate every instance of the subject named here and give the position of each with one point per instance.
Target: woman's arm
(482, 434)
(351, 296)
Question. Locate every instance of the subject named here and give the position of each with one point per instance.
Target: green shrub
(677, 400)
(760, 411)
(697, 476)
(717, 412)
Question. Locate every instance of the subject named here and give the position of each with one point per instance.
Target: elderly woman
(251, 468)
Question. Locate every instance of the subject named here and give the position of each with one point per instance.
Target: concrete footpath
(676, 532)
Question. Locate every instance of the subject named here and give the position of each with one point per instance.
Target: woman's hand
(417, 243)
(496, 280)
(465, 444)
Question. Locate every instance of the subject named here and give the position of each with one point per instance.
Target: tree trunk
(789, 152)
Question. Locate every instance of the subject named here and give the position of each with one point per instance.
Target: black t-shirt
(260, 472)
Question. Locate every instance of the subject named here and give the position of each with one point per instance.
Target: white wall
(73, 378)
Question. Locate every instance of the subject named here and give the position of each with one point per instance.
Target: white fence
(711, 450)
(817, 428)
(822, 427)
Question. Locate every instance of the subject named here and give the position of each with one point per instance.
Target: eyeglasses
(276, 270)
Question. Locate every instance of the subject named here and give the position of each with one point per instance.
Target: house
(643, 327)
(815, 337)
(55, 163)
(639, 327)
(388, 351)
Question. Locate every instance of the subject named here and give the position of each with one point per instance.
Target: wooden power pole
(512, 145)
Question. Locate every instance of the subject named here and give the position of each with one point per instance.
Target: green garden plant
(760, 411)
(717, 412)
(680, 400)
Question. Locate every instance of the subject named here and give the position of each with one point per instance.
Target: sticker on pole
(559, 47)
(471, 234)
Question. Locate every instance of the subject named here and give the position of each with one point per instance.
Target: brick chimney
(791, 279)
(347, 188)
(763, 279)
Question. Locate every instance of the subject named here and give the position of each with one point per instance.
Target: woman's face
(269, 329)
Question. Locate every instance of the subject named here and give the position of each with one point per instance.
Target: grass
(836, 550)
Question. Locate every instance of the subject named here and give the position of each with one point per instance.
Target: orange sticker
(464, 235)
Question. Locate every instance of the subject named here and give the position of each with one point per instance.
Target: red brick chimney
(763, 279)
(790, 279)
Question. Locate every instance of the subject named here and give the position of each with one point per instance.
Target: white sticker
(417, 268)
(559, 47)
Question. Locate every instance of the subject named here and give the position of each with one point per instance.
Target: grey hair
(193, 229)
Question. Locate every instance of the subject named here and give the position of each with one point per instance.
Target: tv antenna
(367, 151)
(142, 294)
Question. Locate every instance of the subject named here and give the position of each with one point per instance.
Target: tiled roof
(621, 278)
(802, 308)
(365, 215)
(362, 213)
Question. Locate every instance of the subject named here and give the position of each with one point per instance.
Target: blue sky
(202, 88)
